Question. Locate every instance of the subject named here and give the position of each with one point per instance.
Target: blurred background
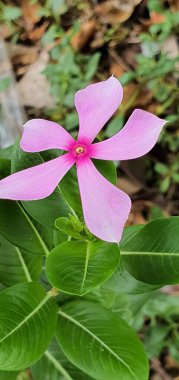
(49, 50)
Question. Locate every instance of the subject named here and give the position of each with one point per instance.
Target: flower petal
(95, 105)
(138, 137)
(40, 134)
(36, 182)
(105, 207)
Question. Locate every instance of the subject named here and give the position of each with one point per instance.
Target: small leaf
(154, 340)
(77, 225)
(77, 267)
(127, 77)
(11, 13)
(65, 226)
(92, 66)
(59, 7)
(100, 343)
(164, 185)
(152, 255)
(175, 177)
(161, 168)
(28, 320)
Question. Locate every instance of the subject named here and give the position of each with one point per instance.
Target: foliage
(51, 266)
(67, 72)
(157, 71)
(100, 285)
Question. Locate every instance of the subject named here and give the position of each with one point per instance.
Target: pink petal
(138, 137)
(95, 105)
(105, 207)
(36, 182)
(40, 134)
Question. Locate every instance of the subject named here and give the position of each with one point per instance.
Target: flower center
(79, 149)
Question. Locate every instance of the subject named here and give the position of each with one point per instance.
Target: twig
(156, 366)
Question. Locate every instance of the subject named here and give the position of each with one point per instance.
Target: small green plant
(9, 13)
(168, 175)
(67, 72)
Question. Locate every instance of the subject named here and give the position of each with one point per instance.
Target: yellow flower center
(79, 149)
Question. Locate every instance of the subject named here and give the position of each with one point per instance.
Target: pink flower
(105, 207)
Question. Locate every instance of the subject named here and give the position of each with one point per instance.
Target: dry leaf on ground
(82, 37)
(34, 87)
(31, 14)
(112, 12)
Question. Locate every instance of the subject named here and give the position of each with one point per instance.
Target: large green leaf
(27, 320)
(5, 162)
(152, 255)
(16, 265)
(69, 184)
(17, 227)
(100, 343)
(47, 210)
(129, 232)
(125, 306)
(54, 365)
(5, 167)
(123, 282)
(8, 375)
(6, 152)
(77, 267)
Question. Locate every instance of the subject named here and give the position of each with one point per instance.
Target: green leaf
(154, 340)
(8, 375)
(107, 169)
(70, 190)
(54, 365)
(16, 265)
(100, 343)
(47, 210)
(175, 177)
(164, 185)
(129, 232)
(152, 255)
(92, 66)
(5, 167)
(123, 282)
(17, 227)
(27, 320)
(127, 77)
(10, 13)
(59, 7)
(114, 125)
(77, 267)
(6, 152)
(161, 168)
(65, 226)
(5, 83)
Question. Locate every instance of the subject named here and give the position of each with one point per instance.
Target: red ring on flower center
(79, 150)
